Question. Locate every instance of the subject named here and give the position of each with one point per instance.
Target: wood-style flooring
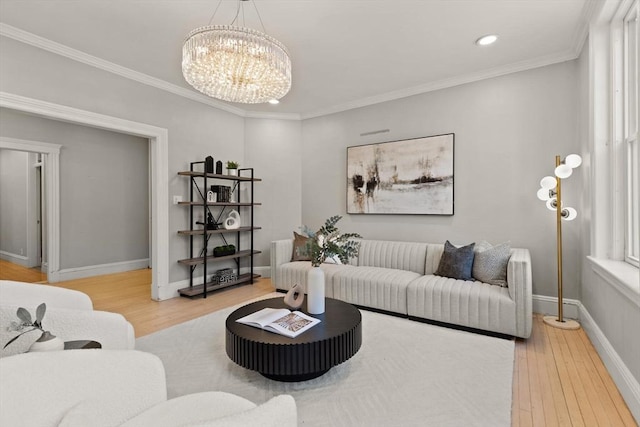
(558, 378)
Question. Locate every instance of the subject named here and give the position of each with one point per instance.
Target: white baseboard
(549, 305)
(625, 381)
(171, 290)
(98, 270)
(262, 271)
(15, 258)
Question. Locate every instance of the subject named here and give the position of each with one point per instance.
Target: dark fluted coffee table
(332, 341)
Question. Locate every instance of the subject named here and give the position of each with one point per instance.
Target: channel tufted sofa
(398, 277)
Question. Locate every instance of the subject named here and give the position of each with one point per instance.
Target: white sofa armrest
(281, 251)
(79, 387)
(30, 295)
(519, 281)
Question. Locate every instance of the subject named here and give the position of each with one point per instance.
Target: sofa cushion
(475, 305)
(456, 263)
(407, 256)
(292, 273)
(375, 287)
(300, 248)
(490, 263)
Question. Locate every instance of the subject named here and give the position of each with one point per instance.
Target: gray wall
(273, 149)
(14, 168)
(195, 131)
(104, 189)
(507, 133)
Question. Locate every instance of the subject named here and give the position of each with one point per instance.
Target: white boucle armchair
(69, 316)
(103, 388)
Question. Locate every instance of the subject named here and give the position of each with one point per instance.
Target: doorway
(158, 139)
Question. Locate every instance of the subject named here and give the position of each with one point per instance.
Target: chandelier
(236, 64)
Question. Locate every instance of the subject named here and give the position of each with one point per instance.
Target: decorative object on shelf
(295, 297)
(224, 275)
(211, 223)
(208, 164)
(223, 193)
(322, 244)
(551, 193)
(232, 168)
(233, 221)
(413, 176)
(211, 197)
(219, 167)
(236, 64)
(224, 250)
(46, 342)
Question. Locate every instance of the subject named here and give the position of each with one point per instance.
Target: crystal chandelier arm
(214, 12)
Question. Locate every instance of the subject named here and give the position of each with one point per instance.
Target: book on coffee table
(280, 321)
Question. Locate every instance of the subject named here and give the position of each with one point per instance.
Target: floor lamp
(551, 193)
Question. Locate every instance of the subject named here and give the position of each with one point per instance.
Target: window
(630, 131)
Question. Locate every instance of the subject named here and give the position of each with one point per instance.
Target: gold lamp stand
(559, 321)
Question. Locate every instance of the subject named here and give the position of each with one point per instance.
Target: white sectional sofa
(398, 277)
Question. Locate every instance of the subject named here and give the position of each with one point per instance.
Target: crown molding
(22, 36)
(589, 11)
(93, 61)
(446, 83)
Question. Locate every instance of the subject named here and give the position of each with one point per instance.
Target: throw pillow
(300, 250)
(490, 263)
(456, 262)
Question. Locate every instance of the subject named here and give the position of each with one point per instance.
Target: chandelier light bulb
(548, 183)
(551, 204)
(563, 171)
(569, 214)
(543, 194)
(573, 160)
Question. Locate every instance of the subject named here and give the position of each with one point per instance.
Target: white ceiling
(345, 53)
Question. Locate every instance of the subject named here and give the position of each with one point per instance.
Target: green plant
(232, 165)
(328, 242)
(26, 321)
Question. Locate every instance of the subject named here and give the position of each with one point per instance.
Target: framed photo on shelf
(411, 177)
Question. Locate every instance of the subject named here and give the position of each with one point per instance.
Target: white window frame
(629, 134)
(608, 152)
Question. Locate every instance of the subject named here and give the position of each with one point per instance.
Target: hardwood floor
(10, 271)
(558, 378)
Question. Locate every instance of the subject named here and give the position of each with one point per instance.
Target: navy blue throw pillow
(456, 263)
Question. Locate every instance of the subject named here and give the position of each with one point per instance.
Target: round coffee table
(332, 341)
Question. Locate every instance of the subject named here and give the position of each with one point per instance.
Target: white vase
(233, 172)
(315, 291)
(47, 342)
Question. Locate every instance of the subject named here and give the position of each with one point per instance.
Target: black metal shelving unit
(200, 182)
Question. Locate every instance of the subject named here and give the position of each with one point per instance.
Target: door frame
(158, 155)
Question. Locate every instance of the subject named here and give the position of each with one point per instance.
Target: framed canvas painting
(412, 176)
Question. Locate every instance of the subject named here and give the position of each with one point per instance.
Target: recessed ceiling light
(487, 40)
(274, 101)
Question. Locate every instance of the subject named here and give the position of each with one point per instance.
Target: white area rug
(406, 374)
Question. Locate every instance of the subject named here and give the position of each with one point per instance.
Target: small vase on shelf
(233, 172)
(315, 291)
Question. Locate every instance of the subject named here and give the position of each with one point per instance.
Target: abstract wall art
(412, 176)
